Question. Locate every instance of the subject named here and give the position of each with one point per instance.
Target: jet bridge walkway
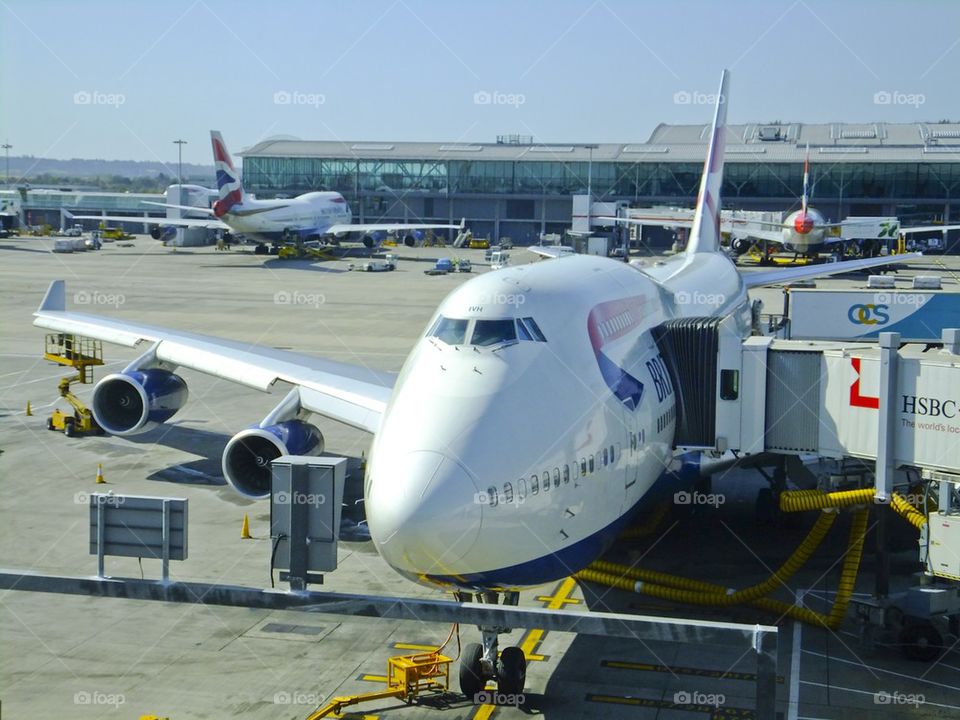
(895, 404)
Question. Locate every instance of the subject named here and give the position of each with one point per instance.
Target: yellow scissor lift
(407, 677)
(82, 354)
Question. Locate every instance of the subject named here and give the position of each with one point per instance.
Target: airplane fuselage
(305, 215)
(804, 232)
(511, 452)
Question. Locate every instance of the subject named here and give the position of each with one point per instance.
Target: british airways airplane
(310, 217)
(530, 421)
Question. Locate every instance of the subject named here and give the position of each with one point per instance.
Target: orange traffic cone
(245, 529)
(100, 480)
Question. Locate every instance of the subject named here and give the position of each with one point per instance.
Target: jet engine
(247, 457)
(374, 239)
(413, 238)
(135, 401)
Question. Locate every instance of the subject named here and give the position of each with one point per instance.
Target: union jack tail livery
(228, 179)
(705, 232)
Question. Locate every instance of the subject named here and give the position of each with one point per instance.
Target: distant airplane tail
(705, 232)
(228, 179)
(806, 180)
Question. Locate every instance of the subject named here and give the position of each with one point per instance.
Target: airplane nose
(423, 511)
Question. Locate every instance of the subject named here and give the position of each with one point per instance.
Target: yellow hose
(799, 500)
(696, 592)
(722, 595)
(908, 512)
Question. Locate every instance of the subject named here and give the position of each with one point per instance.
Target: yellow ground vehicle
(81, 354)
(478, 244)
(114, 233)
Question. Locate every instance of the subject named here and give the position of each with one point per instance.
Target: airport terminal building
(520, 189)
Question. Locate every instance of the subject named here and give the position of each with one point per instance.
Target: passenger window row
(616, 324)
(542, 482)
(637, 439)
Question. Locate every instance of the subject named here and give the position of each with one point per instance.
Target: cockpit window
(529, 330)
(485, 333)
(452, 331)
(493, 332)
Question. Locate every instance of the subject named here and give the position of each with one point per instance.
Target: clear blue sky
(409, 69)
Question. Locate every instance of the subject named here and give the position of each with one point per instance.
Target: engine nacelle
(135, 401)
(247, 457)
(414, 238)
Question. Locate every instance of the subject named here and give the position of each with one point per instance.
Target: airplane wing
(927, 228)
(651, 220)
(191, 208)
(767, 230)
(550, 251)
(389, 227)
(212, 223)
(353, 395)
(776, 277)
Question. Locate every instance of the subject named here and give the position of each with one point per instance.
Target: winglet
(56, 298)
(705, 233)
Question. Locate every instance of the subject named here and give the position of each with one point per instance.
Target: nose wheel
(481, 662)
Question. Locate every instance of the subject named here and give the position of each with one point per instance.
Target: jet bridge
(898, 405)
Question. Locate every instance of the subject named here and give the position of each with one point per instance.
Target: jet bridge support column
(885, 466)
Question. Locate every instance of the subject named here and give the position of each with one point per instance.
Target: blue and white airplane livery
(529, 422)
(311, 216)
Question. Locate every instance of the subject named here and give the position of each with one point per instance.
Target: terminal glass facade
(668, 181)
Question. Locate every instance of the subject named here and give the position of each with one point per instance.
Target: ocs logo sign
(870, 314)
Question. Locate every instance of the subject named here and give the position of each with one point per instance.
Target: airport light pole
(6, 148)
(179, 143)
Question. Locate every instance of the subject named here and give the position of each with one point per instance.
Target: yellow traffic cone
(100, 480)
(245, 529)
(29, 409)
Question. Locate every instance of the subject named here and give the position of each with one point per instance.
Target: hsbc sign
(926, 407)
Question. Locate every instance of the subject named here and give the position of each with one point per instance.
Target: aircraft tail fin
(705, 232)
(228, 179)
(806, 180)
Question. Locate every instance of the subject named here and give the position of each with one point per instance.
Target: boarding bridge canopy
(899, 404)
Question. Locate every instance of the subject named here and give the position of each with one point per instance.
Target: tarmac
(84, 658)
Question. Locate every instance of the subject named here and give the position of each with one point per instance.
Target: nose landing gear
(482, 662)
